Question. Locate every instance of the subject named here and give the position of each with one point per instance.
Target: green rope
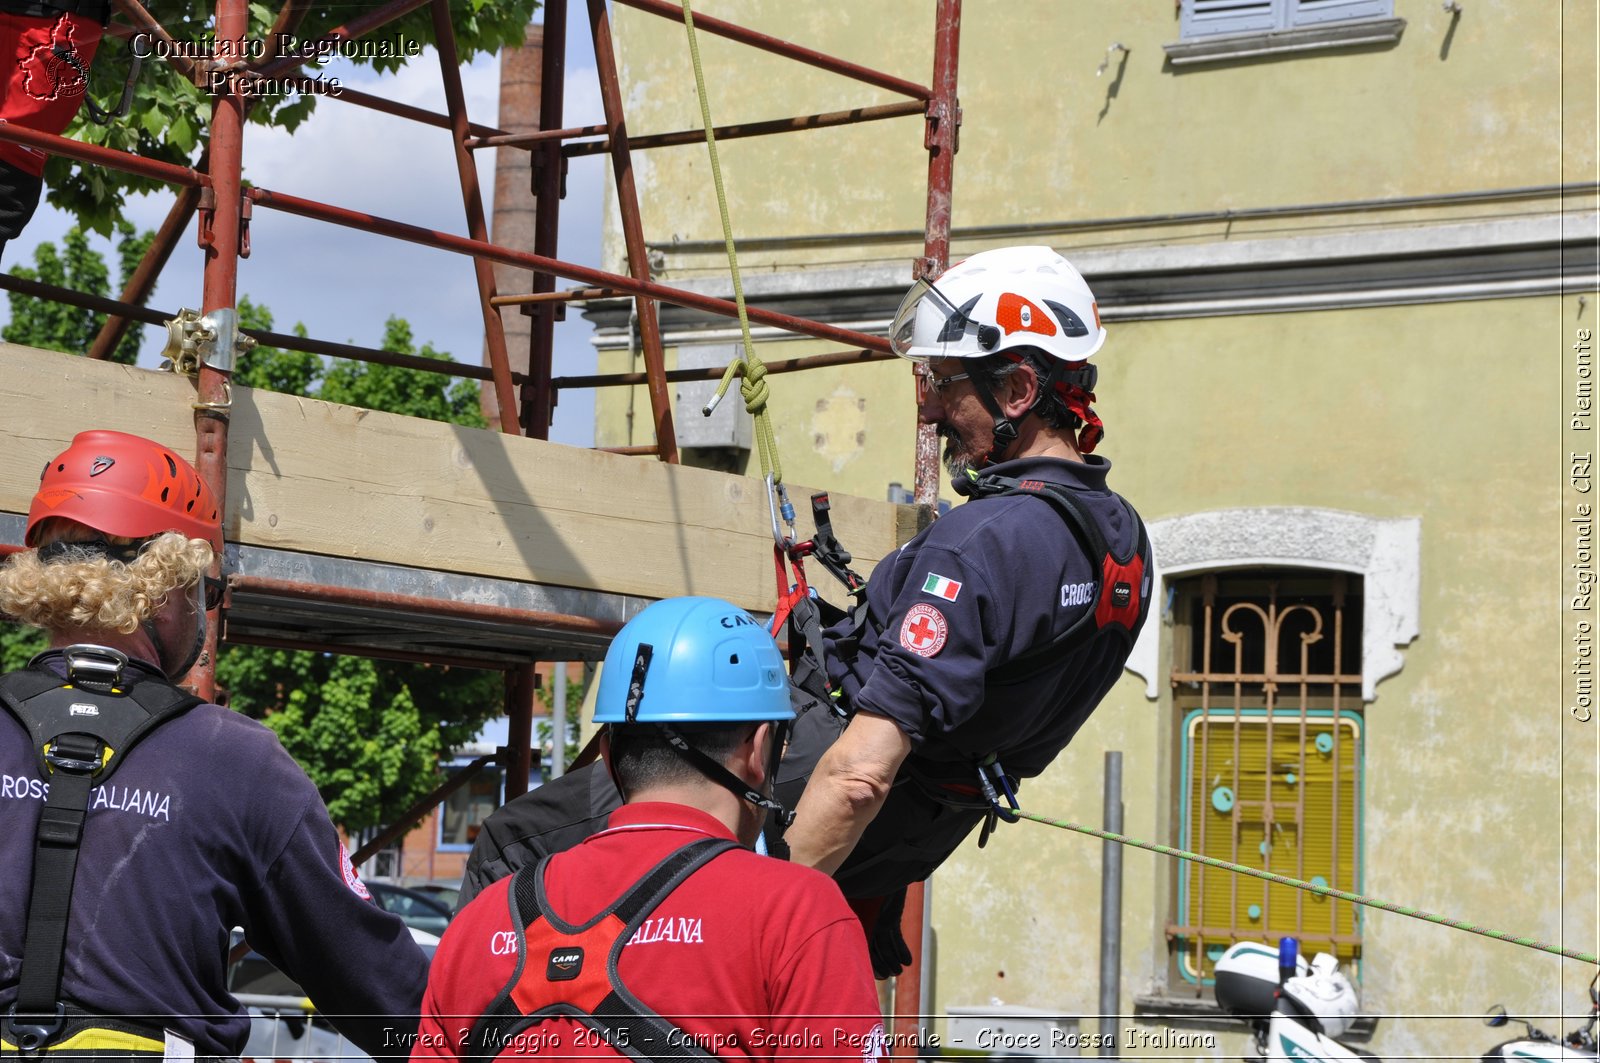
(1326, 891)
(754, 385)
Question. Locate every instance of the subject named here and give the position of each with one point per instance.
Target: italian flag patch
(941, 587)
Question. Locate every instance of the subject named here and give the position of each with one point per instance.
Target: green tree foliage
(170, 114)
(366, 384)
(369, 733)
(407, 391)
(289, 372)
(57, 326)
(18, 644)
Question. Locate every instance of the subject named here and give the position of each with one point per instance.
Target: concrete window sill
(1364, 32)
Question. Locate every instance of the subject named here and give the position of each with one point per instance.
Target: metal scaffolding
(212, 191)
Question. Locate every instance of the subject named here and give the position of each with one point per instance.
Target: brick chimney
(513, 199)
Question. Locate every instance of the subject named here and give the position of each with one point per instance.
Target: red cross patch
(352, 879)
(924, 630)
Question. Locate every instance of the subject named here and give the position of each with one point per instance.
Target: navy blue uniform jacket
(951, 615)
(208, 824)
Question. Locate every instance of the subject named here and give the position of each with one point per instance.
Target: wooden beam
(345, 482)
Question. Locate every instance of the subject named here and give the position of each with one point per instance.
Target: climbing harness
(81, 729)
(800, 608)
(567, 970)
(1120, 600)
(1122, 596)
(994, 781)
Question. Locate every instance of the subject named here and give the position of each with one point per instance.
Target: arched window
(1277, 625)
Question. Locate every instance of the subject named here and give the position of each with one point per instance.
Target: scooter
(1294, 1008)
(1576, 1047)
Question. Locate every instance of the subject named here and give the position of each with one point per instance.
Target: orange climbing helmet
(125, 485)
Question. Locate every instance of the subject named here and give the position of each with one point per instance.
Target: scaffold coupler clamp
(214, 340)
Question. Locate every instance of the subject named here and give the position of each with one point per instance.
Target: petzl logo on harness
(564, 965)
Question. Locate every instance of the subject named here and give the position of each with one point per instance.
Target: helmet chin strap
(1076, 380)
(200, 629)
(1005, 429)
(717, 773)
(725, 778)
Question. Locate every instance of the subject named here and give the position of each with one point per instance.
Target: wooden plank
(337, 480)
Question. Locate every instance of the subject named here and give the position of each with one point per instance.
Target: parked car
(283, 1028)
(446, 895)
(417, 909)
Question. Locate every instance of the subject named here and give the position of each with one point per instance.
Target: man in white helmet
(983, 644)
(989, 638)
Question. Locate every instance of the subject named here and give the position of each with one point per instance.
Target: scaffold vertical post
(605, 61)
(944, 123)
(494, 332)
(522, 684)
(548, 163)
(944, 120)
(221, 240)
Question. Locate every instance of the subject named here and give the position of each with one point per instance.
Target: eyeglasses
(214, 589)
(928, 383)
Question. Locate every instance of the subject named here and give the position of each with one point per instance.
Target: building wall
(1348, 281)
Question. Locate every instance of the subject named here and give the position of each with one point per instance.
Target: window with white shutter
(1211, 30)
(1319, 12)
(1205, 18)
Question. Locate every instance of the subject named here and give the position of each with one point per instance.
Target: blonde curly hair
(86, 589)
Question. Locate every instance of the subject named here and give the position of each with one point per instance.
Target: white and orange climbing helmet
(997, 300)
(1015, 304)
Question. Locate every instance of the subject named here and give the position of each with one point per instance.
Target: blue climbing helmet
(693, 660)
(697, 661)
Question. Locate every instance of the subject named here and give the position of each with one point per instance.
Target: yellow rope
(754, 385)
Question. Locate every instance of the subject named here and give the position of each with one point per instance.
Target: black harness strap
(1121, 578)
(81, 729)
(827, 549)
(626, 1023)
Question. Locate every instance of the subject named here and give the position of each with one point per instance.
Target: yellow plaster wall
(1500, 99)
(1480, 792)
(1451, 413)
(851, 431)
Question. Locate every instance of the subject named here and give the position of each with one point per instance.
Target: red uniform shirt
(751, 957)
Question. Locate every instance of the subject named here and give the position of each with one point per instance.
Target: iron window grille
(1270, 731)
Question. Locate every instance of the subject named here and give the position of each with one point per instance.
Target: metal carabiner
(992, 778)
(778, 502)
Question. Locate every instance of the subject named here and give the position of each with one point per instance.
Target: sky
(343, 284)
